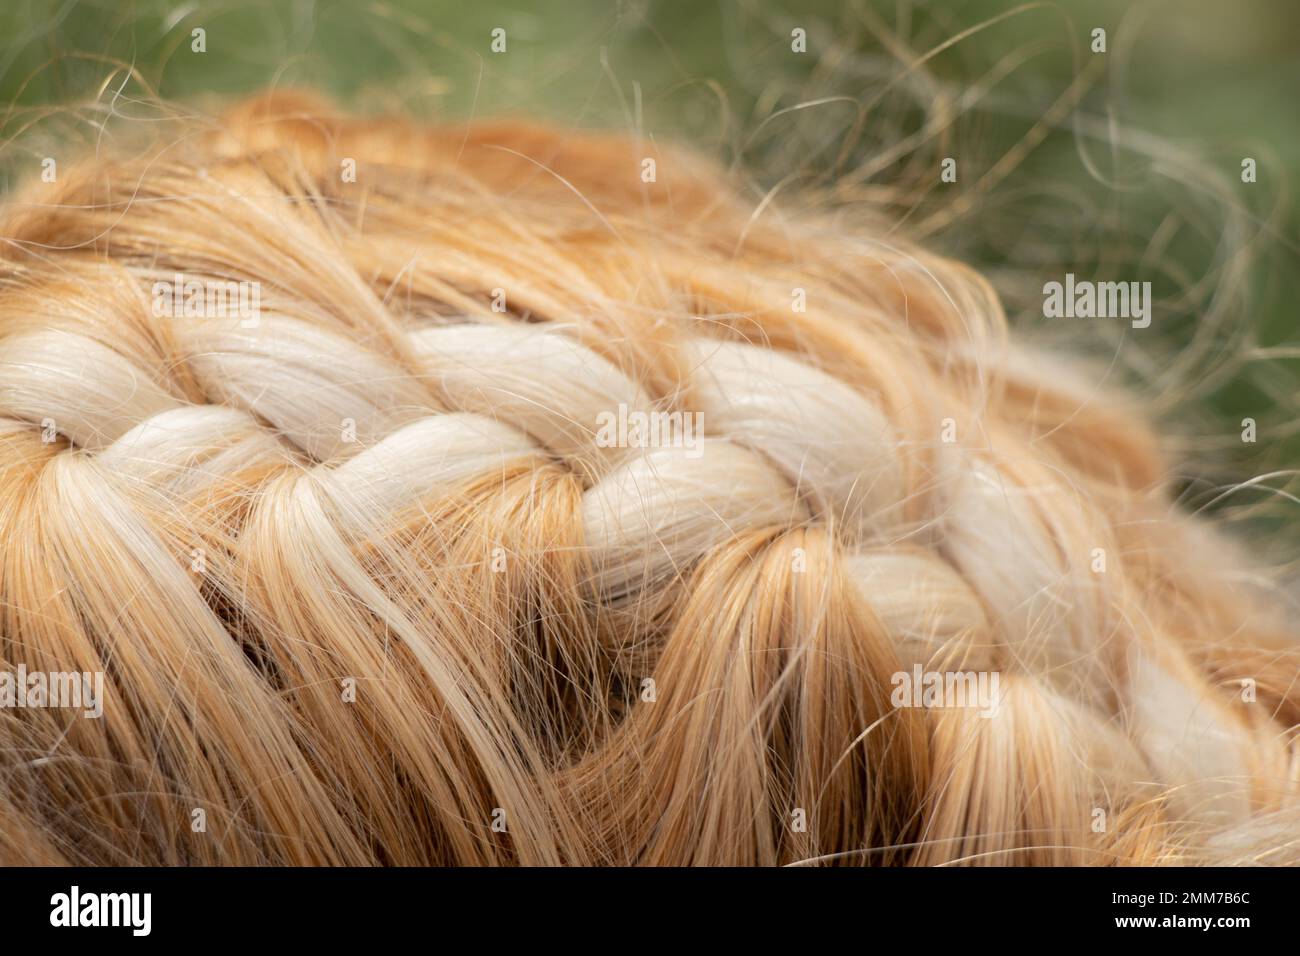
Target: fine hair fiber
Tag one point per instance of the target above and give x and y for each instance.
(389, 570)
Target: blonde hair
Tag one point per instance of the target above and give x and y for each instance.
(393, 570)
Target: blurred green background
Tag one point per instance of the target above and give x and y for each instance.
(1122, 165)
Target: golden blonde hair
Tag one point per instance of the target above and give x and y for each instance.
(370, 580)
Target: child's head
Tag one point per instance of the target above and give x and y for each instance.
(486, 494)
